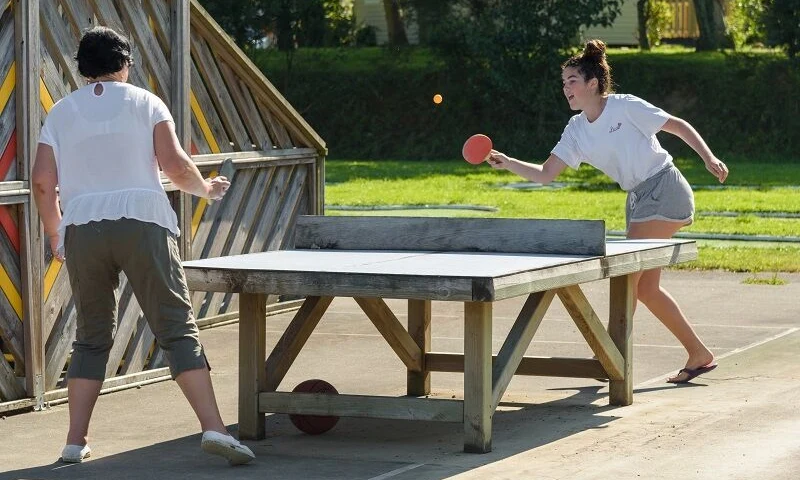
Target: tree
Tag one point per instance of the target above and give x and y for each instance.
(243, 20)
(711, 20)
(513, 49)
(782, 23)
(641, 17)
(396, 30)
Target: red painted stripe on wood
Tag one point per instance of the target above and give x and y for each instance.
(10, 226)
(9, 154)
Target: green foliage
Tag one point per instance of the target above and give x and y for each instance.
(782, 23)
(510, 48)
(659, 15)
(745, 19)
(292, 23)
(375, 103)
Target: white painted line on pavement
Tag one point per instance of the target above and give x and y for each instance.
(661, 378)
(397, 472)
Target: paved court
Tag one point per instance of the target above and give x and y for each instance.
(547, 428)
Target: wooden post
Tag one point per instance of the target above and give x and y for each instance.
(28, 61)
(620, 325)
(180, 63)
(477, 377)
(419, 327)
(252, 358)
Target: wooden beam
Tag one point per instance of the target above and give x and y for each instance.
(252, 371)
(392, 330)
(529, 366)
(500, 235)
(398, 408)
(27, 50)
(477, 377)
(180, 64)
(620, 326)
(519, 338)
(592, 329)
(419, 327)
(293, 339)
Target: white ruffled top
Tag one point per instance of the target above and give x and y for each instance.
(107, 168)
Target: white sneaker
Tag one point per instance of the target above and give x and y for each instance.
(75, 453)
(226, 446)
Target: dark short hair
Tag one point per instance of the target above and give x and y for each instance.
(102, 51)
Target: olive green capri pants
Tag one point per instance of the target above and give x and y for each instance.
(147, 253)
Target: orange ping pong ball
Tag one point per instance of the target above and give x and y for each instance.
(437, 99)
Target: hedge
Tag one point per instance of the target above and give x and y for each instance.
(377, 103)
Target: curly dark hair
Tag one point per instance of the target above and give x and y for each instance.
(102, 51)
(592, 63)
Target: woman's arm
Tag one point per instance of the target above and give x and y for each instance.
(44, 178)
(179, 167)
(544, 173)
(683, 130)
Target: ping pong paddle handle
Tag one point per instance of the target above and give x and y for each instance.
(226, 169)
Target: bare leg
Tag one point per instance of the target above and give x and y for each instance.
(82, 394)
(660, 302)
(199, 391)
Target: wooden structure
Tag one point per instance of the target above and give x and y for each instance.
(475, 261)
(223, 107)
(625, 28)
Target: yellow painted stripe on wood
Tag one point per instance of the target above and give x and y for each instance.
(11, 292)
(201, 119)
(212, 145)
(8, 86)
(50, 277)
(44, 96)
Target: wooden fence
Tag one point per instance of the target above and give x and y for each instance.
(684, 22)
(223, 107)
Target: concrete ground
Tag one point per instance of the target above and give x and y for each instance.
(739, 422)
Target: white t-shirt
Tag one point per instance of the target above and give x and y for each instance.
(106, 161)
(621, 142)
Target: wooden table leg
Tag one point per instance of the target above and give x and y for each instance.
(419, 327)
(477, 377)
(620, 324)
(252, 357)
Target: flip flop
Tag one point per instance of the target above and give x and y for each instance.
(693, 373)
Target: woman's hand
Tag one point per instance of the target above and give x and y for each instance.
(218, 187)
(499, 160)
(717, 168)
(54, 247)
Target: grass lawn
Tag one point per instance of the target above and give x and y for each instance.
(588, 194)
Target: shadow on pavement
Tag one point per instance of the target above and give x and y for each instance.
(355, 449)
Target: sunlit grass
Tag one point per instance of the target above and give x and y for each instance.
(589, 195)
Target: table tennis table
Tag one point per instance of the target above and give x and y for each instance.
(476, 261)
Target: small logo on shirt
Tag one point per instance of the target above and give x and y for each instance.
(613, 129)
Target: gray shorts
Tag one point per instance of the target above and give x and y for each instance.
(96, 253)
(664, 196)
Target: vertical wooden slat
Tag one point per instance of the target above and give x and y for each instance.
(620, 325)
(419, 327)
(180, 63)
(26, 25)
(477, 377)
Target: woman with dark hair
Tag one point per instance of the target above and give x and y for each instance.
(102, 146)
(617, 135)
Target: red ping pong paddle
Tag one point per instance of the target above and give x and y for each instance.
(477, 148)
